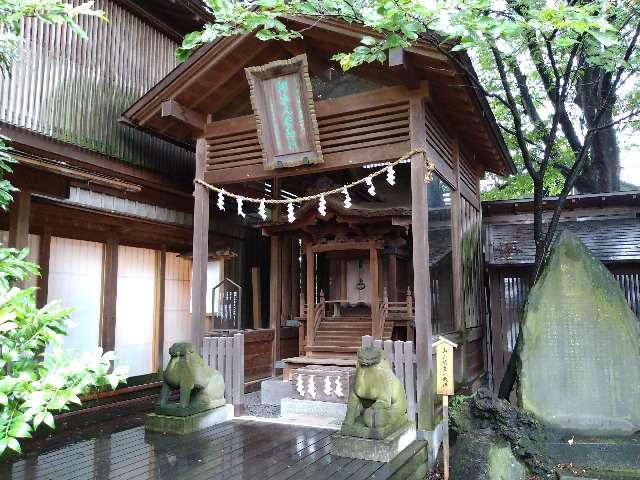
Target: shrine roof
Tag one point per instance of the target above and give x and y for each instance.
(212, 84)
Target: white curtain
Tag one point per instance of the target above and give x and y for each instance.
(75, 278)
(135, 309)
(177, 316)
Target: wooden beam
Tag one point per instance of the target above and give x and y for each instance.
(255, 297)
(196, 120)
(19, 219)
(421, 280)
(275, 300)
(392, 276)
(456, 255)
(109, 293)
(374, 289)
(43, 260)
(399, 62)
(160, 294)
(310, 293)
(200, 249)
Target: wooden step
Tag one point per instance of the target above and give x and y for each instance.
(326, 349)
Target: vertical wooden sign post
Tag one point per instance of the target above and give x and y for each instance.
(444, 373)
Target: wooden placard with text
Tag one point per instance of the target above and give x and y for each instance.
(282, 100)
(444, 366)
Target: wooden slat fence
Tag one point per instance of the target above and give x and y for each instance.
(508, 291)
(226, 354)
(402, 359)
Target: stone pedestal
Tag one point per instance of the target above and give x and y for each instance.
(383, 450)
(308, 407)
(273, 391)
(188, 424)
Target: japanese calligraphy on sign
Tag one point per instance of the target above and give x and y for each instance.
(282, 101)
(444, 366)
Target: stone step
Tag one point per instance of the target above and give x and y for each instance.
(331, 349)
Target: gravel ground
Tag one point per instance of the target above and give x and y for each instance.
(253, 407)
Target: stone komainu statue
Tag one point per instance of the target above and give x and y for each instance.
(201, 387)
(377, 404)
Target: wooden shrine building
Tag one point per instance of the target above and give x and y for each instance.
(280, 120)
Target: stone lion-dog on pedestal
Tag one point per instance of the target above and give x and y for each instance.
(201, 387)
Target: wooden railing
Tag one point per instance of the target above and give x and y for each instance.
(226, 354)
(385, 311)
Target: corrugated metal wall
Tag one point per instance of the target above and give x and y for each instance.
(74, 90)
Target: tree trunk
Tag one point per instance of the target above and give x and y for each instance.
(601, 172)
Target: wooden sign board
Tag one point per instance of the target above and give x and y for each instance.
(282, 101)
(444, 366)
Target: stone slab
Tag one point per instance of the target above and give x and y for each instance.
(597, 454)
(579, 357)
(376, 450)
(184, 425)
(311, 407)
(273, 391)
(481, 456)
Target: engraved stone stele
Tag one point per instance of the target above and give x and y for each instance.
(580, 352)
(376, 426)
(201, 400)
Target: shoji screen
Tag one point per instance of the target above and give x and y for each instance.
(135, 309)
(177, 316)
(75, 278)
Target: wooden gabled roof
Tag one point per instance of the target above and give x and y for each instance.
(212, 85)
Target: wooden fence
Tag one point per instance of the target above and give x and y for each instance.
(226, 354)
(402, 359)
(508, 291)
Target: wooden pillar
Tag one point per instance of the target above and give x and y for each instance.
(392, 276)
(19, 219)
(200, 249)
(160, 294)
(109, 294)
(456, 260)
(374, 283)
(310, 294)
(43, 259)
(255, 297)
(275, 297)
(421, 280)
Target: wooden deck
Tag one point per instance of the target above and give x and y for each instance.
(233, 450)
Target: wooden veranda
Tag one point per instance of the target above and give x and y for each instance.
(231, 451)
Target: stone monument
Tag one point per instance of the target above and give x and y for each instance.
(376, 426)
(580, 350)
(201, 402)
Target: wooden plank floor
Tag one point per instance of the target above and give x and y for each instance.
(230, 451)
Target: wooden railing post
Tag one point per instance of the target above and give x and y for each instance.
(409, 303)
(302, 305)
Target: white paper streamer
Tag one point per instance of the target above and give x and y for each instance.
(262, 210)
(322, 206)
(347, 198)
(290, 216)
(220, 201)
(371, 189)
(391, 175)
(240, 212)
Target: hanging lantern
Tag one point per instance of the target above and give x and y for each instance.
(240, 212)
(322, 206)
(262, 210)
(371, 189)
(391, 175)
(290, 216)
(221, 201)
(347, 198)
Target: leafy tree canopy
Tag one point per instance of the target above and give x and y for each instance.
(561, 75)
